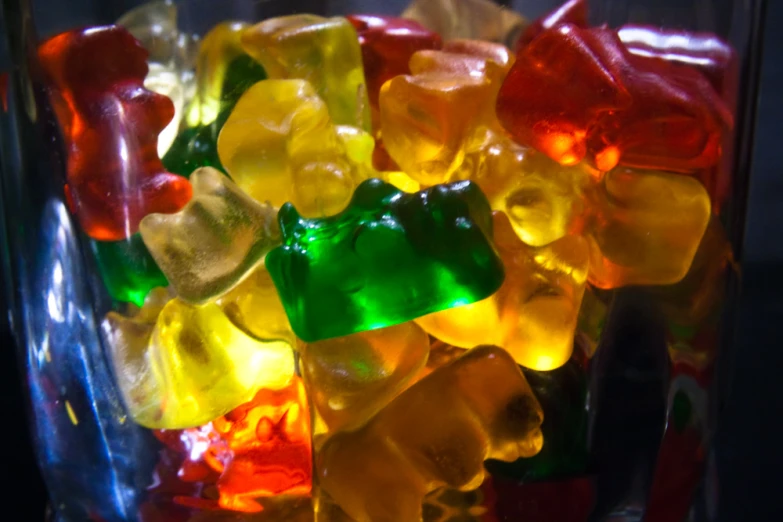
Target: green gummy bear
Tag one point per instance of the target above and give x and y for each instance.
(127, 269)
(389, 257)
(196, 147)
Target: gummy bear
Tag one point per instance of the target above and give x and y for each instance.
(179, 366)
(214, 241)
(563, 395)
(387, 46)
(571, 12)
(643, 227)
(428, 118)
(476, 19)
(436, 433)
(171, 60)
(279, 145)
(359, 147)
(431, 120)
(717, 61)
(441, 354)
(466, 57)
(541, 197)
(260, 449)
(579, 93)
(701, 293)
(255, 308)
(323, 51)
(110, 124)
(351, 378)
(127, 269)
(224, 73)
(388, 258)
(628, 216)
(707, 53)
(533, 315)
(217, 52)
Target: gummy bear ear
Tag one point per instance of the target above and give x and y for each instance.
(373, 193)
(290, 221)
(477, 205)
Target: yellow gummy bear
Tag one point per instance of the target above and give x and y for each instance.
(172, 55)
(323, 51)
(220, 46)
(279, 145)
(643, 227)
(541, 197)
(254, 306)
(214, 241)
(180, 366)
(534, 314)
(351, 378)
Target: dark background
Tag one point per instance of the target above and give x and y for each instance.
(748, 441)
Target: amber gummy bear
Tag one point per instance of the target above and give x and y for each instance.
(643, 227)
(427, 119)
(434, 118)
(436, 433)
(110, 124)
(533, 315)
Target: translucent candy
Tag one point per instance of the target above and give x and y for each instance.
(171, 60)
(254, 307)
(388, 258)
(351, 378)
(214, 241)
(179, 366)
(323, 51)
(534, 314)
(643, 227)
(479, 19)
(428, 118)
(436, 433)
(279, 145)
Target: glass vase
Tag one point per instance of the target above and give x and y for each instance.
(628, 418)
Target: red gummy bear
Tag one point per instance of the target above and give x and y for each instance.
(572, 12)
(576, 93)
(707, 53)
(260, 449)
(715, 59)
(110, 124)
(387, 46)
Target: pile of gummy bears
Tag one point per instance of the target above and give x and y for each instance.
(361, 231)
